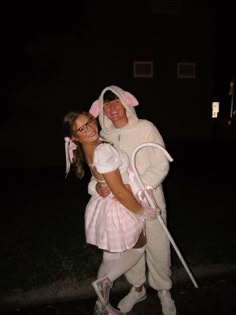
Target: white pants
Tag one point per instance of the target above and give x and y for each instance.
(157, 257)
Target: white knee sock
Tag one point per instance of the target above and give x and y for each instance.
(115, 265)
(107, 263)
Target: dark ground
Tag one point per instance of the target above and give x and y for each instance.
(215, 296)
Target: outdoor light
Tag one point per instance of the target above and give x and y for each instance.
(215, 109)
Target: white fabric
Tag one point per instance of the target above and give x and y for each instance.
(115, 265)
(106, 266)
(107, 159)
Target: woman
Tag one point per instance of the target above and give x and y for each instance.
(115, 223)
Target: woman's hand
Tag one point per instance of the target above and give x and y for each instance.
(148, 213)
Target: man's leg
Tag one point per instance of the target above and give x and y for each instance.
(159, 275)
(158, 256)
(137, 274)
(137, 277)
(159, 263)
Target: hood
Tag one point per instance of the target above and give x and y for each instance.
(127, 100)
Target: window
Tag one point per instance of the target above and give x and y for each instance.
(215, 109)
(143, 69)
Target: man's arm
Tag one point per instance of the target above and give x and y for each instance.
(98, 188)
(152, 164)
(92, 186)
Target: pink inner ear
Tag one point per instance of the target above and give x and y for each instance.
(130, 99)
(94, 109)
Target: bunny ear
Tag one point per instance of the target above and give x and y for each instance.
(94, 109)
(130, 99)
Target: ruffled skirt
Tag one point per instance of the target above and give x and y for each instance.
(110, 226)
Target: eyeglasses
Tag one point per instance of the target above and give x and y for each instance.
(83, 129)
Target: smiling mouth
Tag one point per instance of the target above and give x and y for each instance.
(92, 134)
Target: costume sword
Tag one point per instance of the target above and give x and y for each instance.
(153, 203)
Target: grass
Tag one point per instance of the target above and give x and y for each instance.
(42, 226)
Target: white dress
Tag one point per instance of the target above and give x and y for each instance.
(108, 224)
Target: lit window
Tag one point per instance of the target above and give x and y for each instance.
(215, 109)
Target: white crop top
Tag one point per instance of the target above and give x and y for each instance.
(107, 159)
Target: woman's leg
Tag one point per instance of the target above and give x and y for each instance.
(123, 262)
(113, 266)
(107, 263)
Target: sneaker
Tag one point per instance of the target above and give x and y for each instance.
(113, 311)
(167, 303)
(102, 287)
(100, 309)
(133, 297)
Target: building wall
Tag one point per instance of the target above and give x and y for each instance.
(68, 70)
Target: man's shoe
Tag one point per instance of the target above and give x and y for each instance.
(113, 311)
(167, 303)
(133, 297)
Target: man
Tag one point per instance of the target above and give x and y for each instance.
(120, 125)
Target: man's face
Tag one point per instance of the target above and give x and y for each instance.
(115, 111)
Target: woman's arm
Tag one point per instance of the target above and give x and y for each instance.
(121, 192)
(106, 167)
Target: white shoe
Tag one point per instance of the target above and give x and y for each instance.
(113, 311)
(133, 297)
(99, 308)
(167, 303)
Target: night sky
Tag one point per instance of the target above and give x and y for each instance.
(22, 65)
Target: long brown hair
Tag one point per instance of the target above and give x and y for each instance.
(79, 161)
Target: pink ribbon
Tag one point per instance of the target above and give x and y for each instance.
(141, 193)
(142, 197)
(70, 146)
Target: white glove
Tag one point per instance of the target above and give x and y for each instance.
(148, 213)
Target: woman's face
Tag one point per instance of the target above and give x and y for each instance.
(85, 129)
